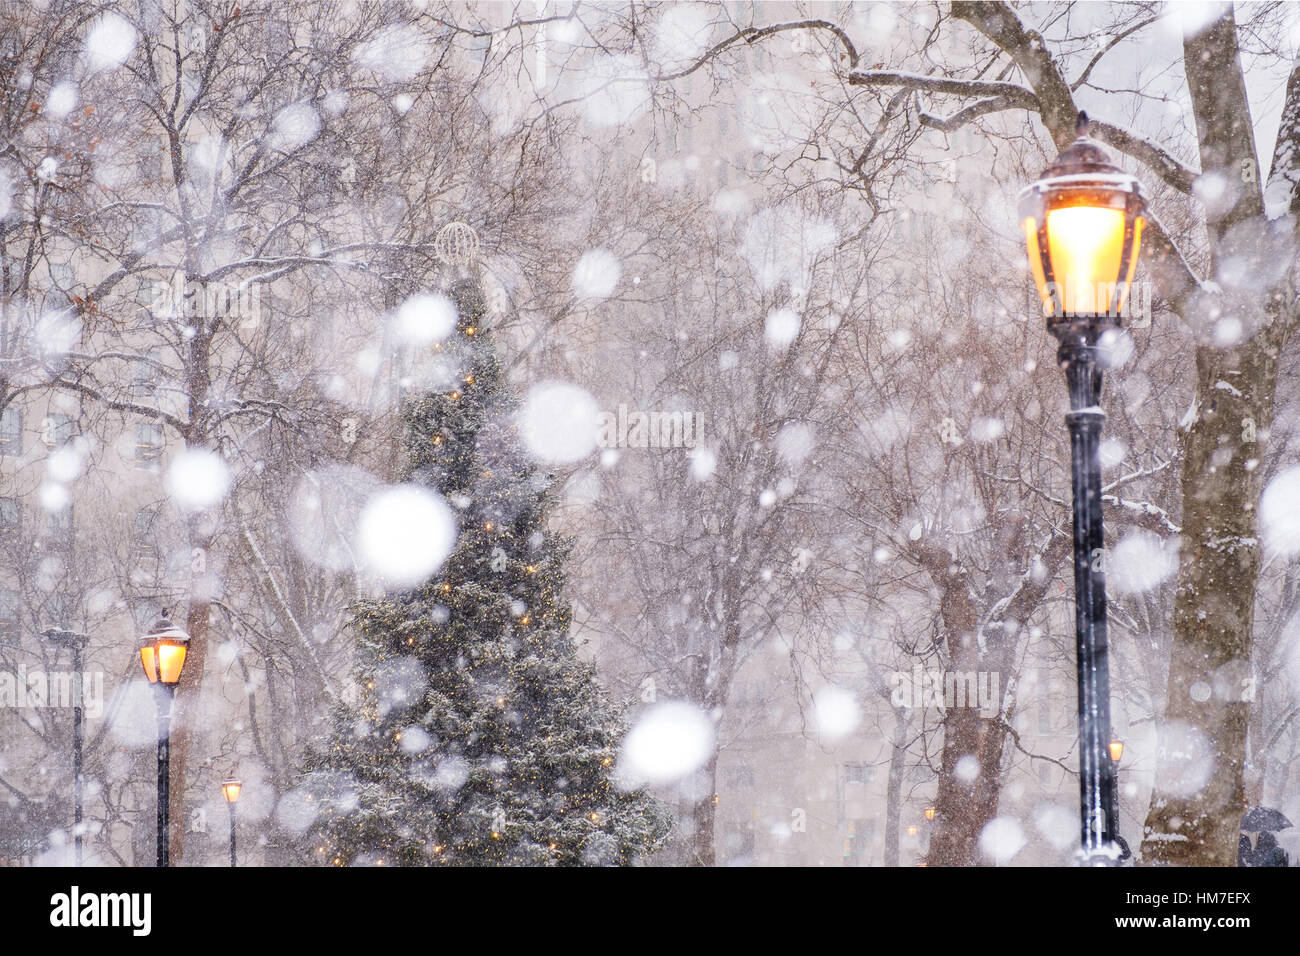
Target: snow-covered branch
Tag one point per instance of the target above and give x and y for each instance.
(1159, 160)
(1013, 94)
(1144, 514)
(131, 408)
(949, 124)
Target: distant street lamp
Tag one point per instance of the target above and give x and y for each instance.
(929, 813)
(76, 641)
(230, 790)
(162, 654)
(1083, 224)
(1116, 750)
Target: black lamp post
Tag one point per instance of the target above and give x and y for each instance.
(76, 641)
(162, 653)
(231, 790)
(1083, 223)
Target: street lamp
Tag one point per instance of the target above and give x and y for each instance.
(1083, 224)
(162, 654)
(230, 790)
(930, 812)
(1116, 750)
(76, 641)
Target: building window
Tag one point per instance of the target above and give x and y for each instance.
(57, 429)
(11, 514)
(154, 160)
(144, 380)
(11, 432)
(59, 527)
(59, 609)
(862, 835)
(858, 773)
(63, 276)
(740, 778)
(479, 46)
(745, 844)
(144, 534)
(1044, 716)
(148, 441)
(146, 293)
(8, 617)
(1045, 774)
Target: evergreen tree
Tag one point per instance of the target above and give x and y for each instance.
(478, 735)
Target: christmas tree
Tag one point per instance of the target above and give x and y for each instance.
(478, 736)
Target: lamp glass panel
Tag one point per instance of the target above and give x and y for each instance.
(150, 662)
(1086, 244)
(171, 658)
(1036, 263)
(1138, 223)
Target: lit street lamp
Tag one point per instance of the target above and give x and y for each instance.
(230, 790)
(1083, 223)
(162, 654)
(1116, 750)
(76, 641)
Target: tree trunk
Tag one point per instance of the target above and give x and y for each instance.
(185, 710)
(1199, 795)
(964, 807)
(894, 789)
(1196, 808)
(705, 812)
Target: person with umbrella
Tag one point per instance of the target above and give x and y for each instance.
(1258, 846)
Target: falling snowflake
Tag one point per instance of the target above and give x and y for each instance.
(559, 422)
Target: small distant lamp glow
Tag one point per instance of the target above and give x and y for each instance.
(1083, 225)
(230, 790)
(912, 831)
(1116, 749)
(162, 652)
(929, 813)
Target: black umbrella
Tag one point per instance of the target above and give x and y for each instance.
(1264, 818)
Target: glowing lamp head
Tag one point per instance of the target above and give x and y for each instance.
(1116, 750)
(929, 813)
(230, 790)
(1083, 226)
(162, 652)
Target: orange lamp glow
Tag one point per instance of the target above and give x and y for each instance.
(1116, 750)
(929, 813)
(1083, 227)
(230, 790)
(162, 652)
